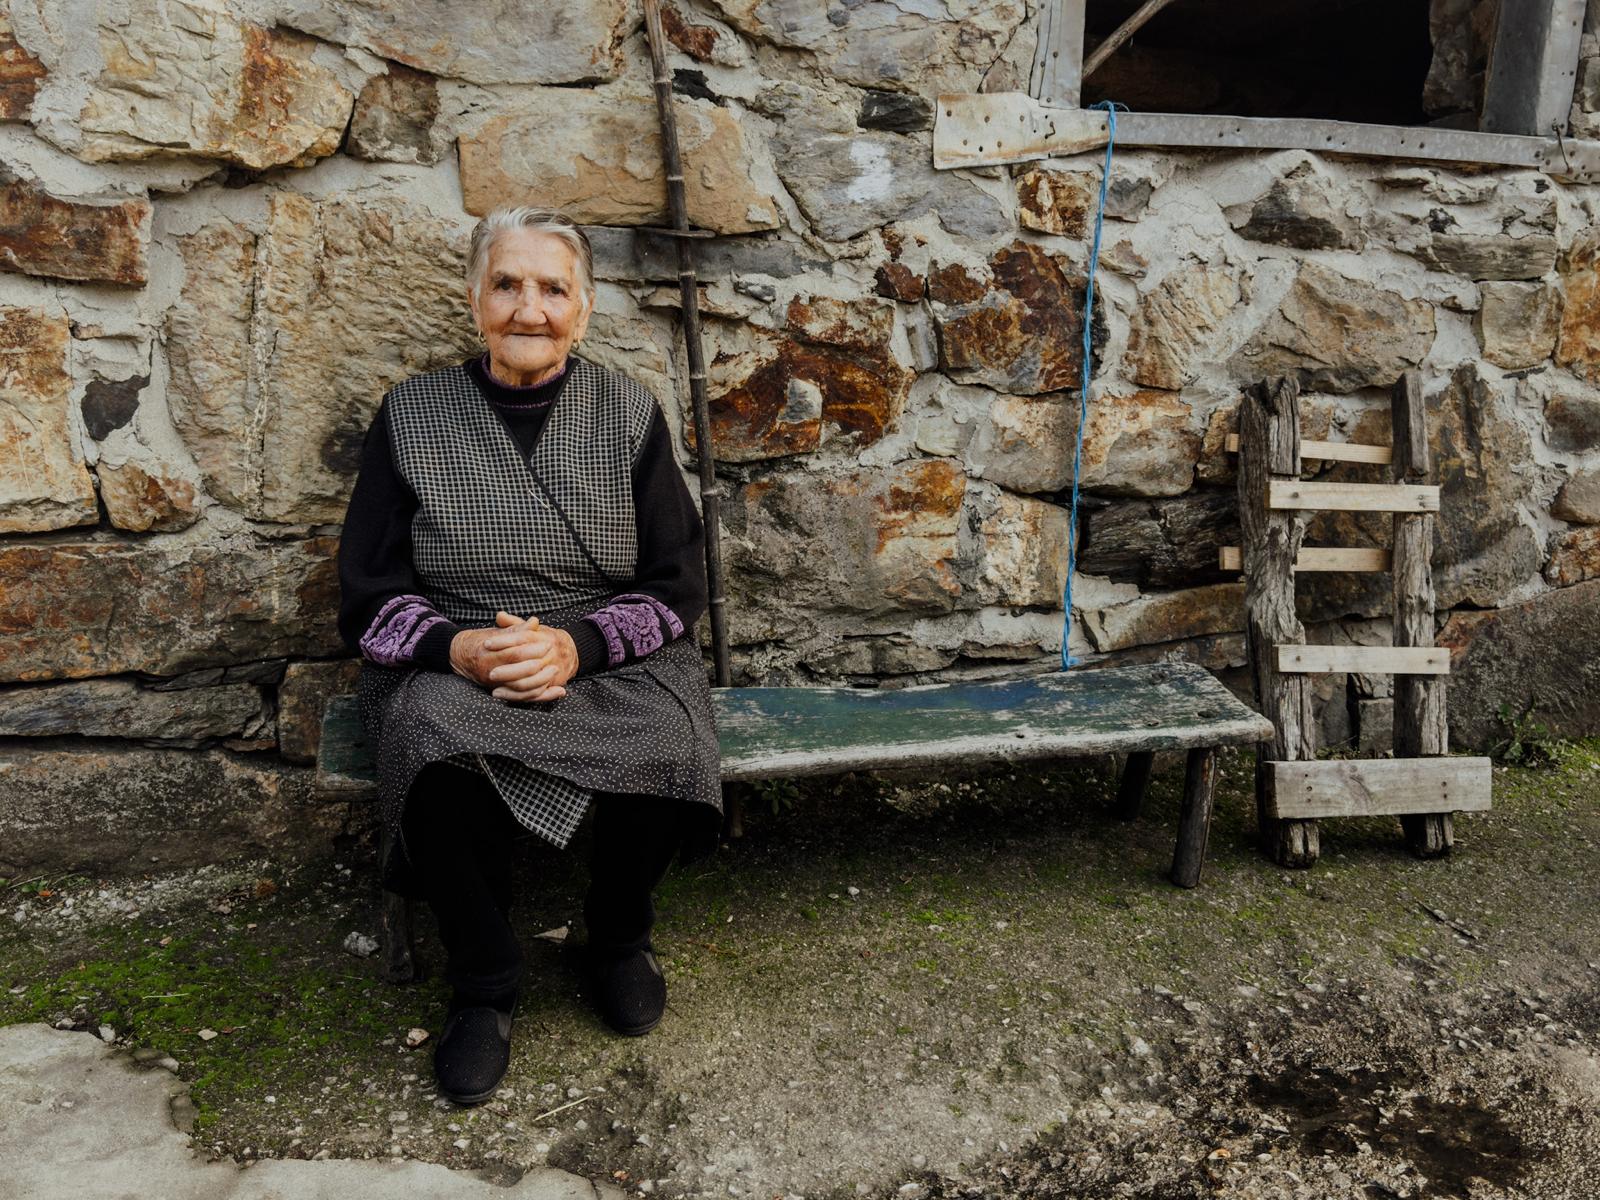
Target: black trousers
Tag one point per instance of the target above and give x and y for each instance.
(459, 837)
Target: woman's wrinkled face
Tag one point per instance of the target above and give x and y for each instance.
(530, 306)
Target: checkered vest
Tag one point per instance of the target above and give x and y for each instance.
(494, 531)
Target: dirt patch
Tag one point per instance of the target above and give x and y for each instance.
(1451, 1142)
(975, 986)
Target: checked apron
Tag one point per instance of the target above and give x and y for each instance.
(551, 536)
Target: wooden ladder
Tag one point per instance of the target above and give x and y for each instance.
(1420, 785)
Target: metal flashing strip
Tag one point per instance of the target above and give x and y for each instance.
(1009, 127)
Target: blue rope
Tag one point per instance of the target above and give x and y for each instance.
(1110, 107)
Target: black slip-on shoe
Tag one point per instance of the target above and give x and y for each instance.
(629, 991)
(473, 1053)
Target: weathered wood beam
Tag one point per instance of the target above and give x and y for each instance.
(1420, 725)
(1379, 787)
(1269, 453)
(1364, 660)
(1353, 497)
(1317, 558)
(1141, 16)
(1533, 64)
(1194, 821)
(1332, 451)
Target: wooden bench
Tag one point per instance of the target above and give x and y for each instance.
(769, 733)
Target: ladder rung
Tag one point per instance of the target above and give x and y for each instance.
(1353, 497)
(1333, 451)
(1370, 787)
(1363, 660)
(1317, 558)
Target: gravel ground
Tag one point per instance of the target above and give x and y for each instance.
(980, 986)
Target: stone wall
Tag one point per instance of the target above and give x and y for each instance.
(227, 228)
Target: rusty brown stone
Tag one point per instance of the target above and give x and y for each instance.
(163, 605)
(1575, 557)
(1056, 201)
(953, 284)
(773, 412)
(697, 41)
(139, 501)
(63, 239)
(1578, 348)
(773, 395)
(1021, 335)
(189, 79)
(20, 73)
(896, 281)
(44, 484)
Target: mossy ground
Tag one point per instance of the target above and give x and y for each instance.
(892, 981)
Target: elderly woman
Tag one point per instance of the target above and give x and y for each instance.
(521, 572)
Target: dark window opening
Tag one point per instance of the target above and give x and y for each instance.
(1371, 61)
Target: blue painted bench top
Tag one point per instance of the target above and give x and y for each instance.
(768, 733)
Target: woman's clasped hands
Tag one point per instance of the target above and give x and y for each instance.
(519, 660)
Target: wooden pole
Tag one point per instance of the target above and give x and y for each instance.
(689, 288)
(1269, 449)
(1121, 34)
(1420, 726)
(1194, 821)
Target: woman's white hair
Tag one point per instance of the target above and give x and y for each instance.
(538, 220)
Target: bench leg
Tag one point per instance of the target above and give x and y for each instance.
(733, 810)
(1135, 778)
(395, 944)
(1194, 822)
(397, 947)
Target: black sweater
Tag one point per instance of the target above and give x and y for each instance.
(376, 564)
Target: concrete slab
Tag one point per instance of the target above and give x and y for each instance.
(79, 1119)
